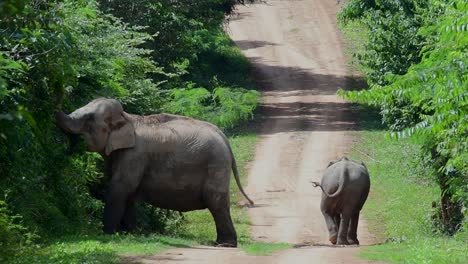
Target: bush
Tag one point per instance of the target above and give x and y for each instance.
(434, 92)
(224, 107)
(393, 44)
(14, 237)
(53, 54)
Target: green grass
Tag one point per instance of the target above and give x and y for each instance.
(264, 249)
(294, 30)
(399, 206)
(356, 36)
(98, 248)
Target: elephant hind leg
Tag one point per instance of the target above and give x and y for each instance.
(218, 204)
(331, 225)
(352, 231)
(216, 199)
(337, 219)
(343, 230)
(330, 220)
(226, 234)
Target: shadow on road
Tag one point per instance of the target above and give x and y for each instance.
(295, 113)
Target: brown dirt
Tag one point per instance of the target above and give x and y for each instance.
(296, 50)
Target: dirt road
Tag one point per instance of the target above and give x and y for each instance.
(297, 54)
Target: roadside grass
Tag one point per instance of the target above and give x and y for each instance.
(355, 35)
(98, 248)
(294, 30)
(399, 206)
(264, 249)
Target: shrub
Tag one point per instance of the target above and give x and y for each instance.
(53, 54)
(14, 237)
(224, 107)
(436, 90)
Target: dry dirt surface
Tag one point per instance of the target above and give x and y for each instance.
(296, 50)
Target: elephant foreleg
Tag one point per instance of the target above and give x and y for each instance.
(226, 234)
(115, 207)
(128, 222)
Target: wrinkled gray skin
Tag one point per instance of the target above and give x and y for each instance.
(345, 186)
(169, 161)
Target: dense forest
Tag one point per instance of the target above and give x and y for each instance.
(154, 56)
(415, 59)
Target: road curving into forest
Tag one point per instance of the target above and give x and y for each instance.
(297, 54)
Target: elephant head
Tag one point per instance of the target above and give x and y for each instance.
(103, 123)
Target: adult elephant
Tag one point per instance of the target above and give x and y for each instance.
(169, 161)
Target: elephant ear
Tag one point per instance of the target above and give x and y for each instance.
(330, 163)
(122, 135)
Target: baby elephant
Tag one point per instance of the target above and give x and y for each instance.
(345, 186)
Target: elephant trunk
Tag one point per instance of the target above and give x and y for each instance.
(67, 123)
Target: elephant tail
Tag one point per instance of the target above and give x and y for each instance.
(236, 176)
(342, 182)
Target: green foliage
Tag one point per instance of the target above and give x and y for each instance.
(9, 7)
(52, 54)
(224, 107)
(181, 30)
(393, 43)
(264, 249)
(188, 39)
(193, 42)
(13, 236)
(156, 220)
(431, 101)
(97, 249)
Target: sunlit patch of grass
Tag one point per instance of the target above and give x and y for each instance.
(98, 248)
(356, 36)
(294, 30)
(264, 249)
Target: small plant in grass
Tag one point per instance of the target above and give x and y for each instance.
(264, 249)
